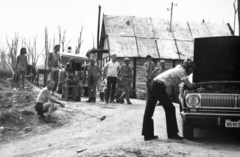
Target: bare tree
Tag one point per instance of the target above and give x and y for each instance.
(53, 40)
(62, 38)
(93, 41)
(3, 57)
(80, 41)
(46, 48)
(13, 47)
(28, 47)
(32, 50)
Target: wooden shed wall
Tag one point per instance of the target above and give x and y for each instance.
(140, 81)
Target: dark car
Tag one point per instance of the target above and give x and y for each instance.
(216, 101)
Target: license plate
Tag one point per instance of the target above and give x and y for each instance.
(232, 124)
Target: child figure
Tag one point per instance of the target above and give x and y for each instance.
(103, 92)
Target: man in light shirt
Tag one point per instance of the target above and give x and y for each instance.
(45, 103)
(157, 92)
(111, 73)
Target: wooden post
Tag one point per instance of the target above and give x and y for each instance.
(45, 72)
(46, 48)
(134, 72)
(99, 15)
(238, 18)
(171, 17)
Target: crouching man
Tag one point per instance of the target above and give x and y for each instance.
(45, 103)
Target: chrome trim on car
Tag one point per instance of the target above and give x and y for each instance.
(210, 114)
(217, 100)
(213, 100)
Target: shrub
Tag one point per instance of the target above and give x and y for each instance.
(5, 73)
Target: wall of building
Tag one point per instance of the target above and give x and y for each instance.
(140, 81)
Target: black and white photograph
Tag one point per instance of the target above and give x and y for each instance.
(119, 78)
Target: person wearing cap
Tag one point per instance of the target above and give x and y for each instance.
(158, 70)
(149, 67)
(157, 92)
(125, 75)
(69, 49)
(110, 72)
(181, 85)
(94, 73)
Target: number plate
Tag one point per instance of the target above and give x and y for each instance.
(232, 124)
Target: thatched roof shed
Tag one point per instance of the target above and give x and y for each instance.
(136, 37)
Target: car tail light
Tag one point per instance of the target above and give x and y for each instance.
(193, 100)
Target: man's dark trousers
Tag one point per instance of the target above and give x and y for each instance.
(157, 92)
(111, 86)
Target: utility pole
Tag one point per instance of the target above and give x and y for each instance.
(235, 12)
(171, 14)
(98, 28)
(238, 19)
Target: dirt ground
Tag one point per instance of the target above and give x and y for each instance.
(78, 134)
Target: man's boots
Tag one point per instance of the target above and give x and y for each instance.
(129, 102)
(89, 100)
(77, 98)
(48, 119)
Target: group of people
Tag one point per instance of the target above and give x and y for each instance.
(111, 73)
(158, 79)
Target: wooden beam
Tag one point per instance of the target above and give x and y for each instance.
(155, 39)
(100, 51)
(134, 72)
(99, 16)
(238, 18)
(135, 35)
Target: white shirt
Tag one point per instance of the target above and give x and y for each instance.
(112, 68)
(173, 76)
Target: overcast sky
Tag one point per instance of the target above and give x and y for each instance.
(29, 17)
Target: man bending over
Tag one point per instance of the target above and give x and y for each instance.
(45, 103)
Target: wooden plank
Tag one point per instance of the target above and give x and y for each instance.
(117, 26)
(147, 47)
(142, 27)
(123, 46)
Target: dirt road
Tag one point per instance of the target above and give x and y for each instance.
(118, 135)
